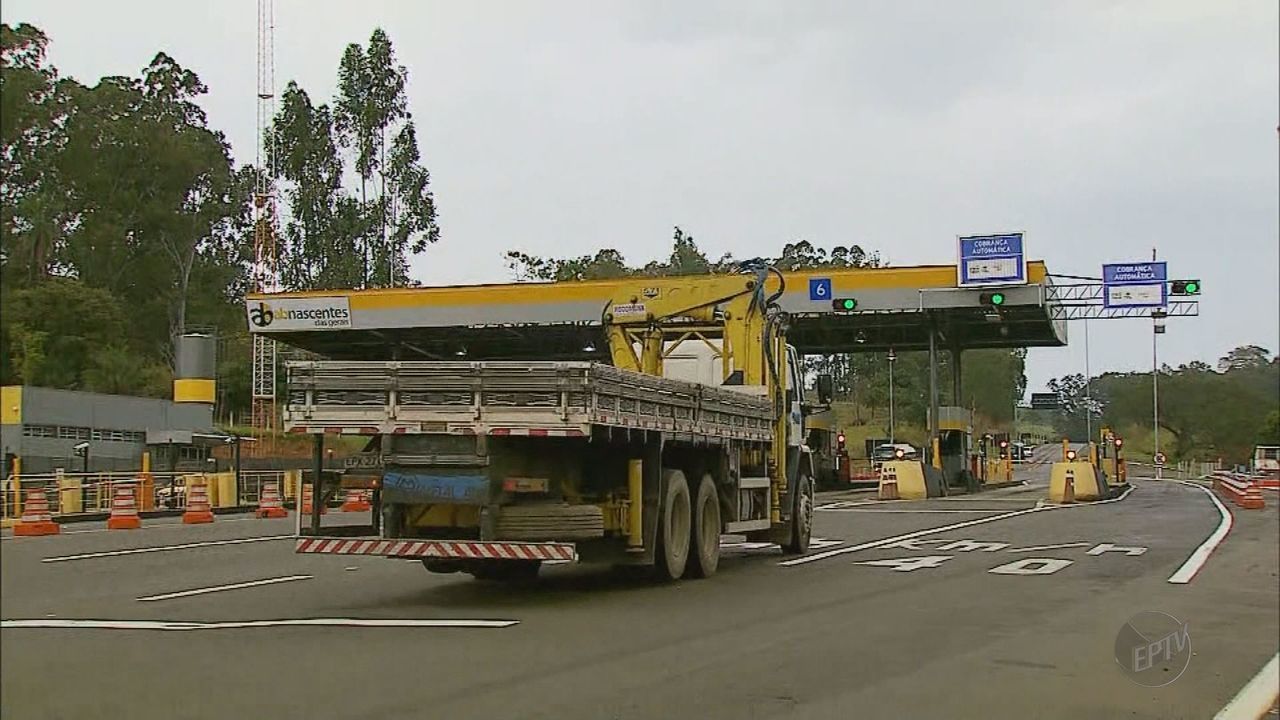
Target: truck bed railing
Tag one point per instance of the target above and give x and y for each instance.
(497, 398)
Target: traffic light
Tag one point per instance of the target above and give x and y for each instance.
(994, 299)
(840, 442)
(844, 304)
(1185, 287)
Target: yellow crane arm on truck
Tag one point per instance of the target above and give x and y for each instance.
(739, 310)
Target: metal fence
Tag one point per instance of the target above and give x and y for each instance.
(1185, 470)
(71, 494)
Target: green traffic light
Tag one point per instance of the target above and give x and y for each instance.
(849, 303)
(1193, 287)
(997, 298)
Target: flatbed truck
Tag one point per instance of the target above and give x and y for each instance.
(493, 467)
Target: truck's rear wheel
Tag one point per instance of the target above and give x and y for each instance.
(801, 517)
(672, 551)
(438, 565)
(704, 538)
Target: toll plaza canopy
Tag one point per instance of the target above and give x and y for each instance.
(893, 308)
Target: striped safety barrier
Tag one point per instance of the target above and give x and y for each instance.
(437, 549)
(1241, 489)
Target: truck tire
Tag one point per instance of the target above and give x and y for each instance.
(442, 566)
(801, 517)
(704, 536)
(672, 550)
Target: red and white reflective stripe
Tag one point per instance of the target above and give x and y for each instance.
(438, 548)
(538, 432)
(344, 430)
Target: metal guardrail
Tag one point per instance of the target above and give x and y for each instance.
(84, 494)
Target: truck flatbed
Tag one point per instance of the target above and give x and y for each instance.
(551, 398)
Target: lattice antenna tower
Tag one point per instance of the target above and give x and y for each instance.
(266, 271)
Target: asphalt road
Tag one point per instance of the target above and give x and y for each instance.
(858, 627)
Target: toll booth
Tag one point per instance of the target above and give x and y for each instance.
(955, 443)
(1111, 458)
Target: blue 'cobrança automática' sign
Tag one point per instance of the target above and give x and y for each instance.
(992, 260)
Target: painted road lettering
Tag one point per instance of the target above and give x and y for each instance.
(1024, 566)
(1108, 547)
(908, 564)
(1031, 566)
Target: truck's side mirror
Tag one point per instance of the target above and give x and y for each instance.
(824, 386)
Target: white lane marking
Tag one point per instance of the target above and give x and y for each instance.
(1200, 555)
(907, 536)
(165, 548)
(845, 504)
(292, 622)
(972, 545)
(1059, 546)
(1256, 697)
(922, 510)
(223, 588)
(156, 526)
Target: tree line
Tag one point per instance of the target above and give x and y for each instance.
(125, 221)
(1206, 412)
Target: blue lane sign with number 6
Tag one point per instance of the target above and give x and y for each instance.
(819, 288)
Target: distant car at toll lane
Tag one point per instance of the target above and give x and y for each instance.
(894, 451)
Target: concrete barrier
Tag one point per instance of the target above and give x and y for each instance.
(1240, 489)
(1084, 478)
(909, 477)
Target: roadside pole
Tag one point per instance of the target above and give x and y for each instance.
(892, 357)
(1088, 386)
(1157, 322)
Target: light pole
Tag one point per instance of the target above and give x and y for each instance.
(1088, 387)
(1157, 329)
(892, 439)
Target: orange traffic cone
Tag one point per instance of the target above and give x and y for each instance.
(888, 485)
(356, 501)
(1069, 490)
(198, 507)
(270, 505)
(35, 516)
(306, 501)
(124, 510)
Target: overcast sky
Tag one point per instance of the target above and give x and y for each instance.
(1100, 129)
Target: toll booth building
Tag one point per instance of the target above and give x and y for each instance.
(50, 429)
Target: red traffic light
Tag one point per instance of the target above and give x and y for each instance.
(1004, 444)
(840, 438)
(1119, 442)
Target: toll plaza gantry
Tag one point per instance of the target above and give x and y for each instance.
(830, 310)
